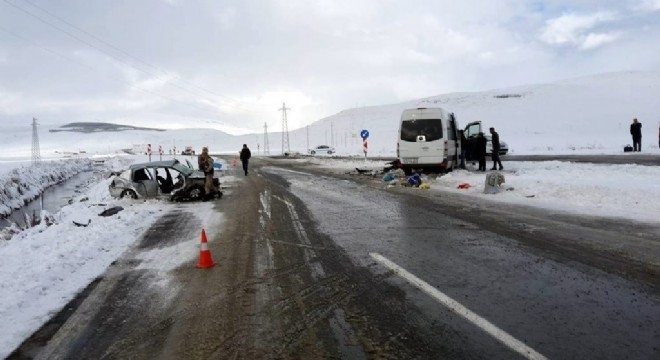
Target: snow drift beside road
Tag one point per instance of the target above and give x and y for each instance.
(23, 184)
(624, 191)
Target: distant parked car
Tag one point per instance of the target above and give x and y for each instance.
(188, 151)
(504, 148)
(168, 179)
(322, 149)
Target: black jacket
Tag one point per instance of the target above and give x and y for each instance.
(480, 148)
(636, 130)
(245, 154)
(495, 140)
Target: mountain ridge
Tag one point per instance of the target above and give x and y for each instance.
(92, 127)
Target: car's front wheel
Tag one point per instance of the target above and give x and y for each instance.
(128, 193)
(312, 152)
(329, 152)
(196, 193)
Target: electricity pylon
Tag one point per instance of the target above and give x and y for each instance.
(285, 130)
(36, 153)
(266, 146)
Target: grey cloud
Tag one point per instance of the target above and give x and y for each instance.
(233, 63)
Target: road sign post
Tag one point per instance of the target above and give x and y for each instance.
(149, 151)
(160, 152)
(364, 134)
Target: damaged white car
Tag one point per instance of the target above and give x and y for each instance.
(168, 179)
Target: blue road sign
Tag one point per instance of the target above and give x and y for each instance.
(364, 134)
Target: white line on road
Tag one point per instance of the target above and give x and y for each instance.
(499, 334)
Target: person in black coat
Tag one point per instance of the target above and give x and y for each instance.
(245, 156)
(464, 149)
(496, 149)
(480, 151)
(636, 132)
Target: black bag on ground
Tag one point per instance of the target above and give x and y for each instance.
(627, 148)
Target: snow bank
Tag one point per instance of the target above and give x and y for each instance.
(20, 185)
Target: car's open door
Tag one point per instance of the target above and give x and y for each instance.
(144, 181)
(471, 131)
(452, 143)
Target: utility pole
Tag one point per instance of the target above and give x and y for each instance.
(36, 152)
(285, 130)
(266, 146)
(332, 134)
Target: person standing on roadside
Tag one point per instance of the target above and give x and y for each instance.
(205, 163)
(496, 149)
(480, 153)
(464, 145)
(636, 132)
(245, 157)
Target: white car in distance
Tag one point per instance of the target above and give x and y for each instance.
(322, 149)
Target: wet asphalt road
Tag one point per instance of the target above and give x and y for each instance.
(561, 308)
(298, 280)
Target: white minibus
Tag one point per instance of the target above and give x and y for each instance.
(429, 140)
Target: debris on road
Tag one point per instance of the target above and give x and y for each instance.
(81, 224)
(414, 180)
(111, 211)
(493, 184)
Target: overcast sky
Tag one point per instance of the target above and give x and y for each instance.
(230, 64)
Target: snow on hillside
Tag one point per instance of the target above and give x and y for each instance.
(583, 115)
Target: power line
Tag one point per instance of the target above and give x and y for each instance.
(103, 51)
(94, 69)
(143, 62)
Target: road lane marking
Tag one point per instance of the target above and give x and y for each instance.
(499, 334)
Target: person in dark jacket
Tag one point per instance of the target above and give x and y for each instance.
(636, 132)
(496, 149)
(480, 151)
(245, 156)
(464, 149)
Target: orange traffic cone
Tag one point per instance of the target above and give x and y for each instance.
(205, 259)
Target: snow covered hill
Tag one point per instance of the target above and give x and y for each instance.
(584, 115)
